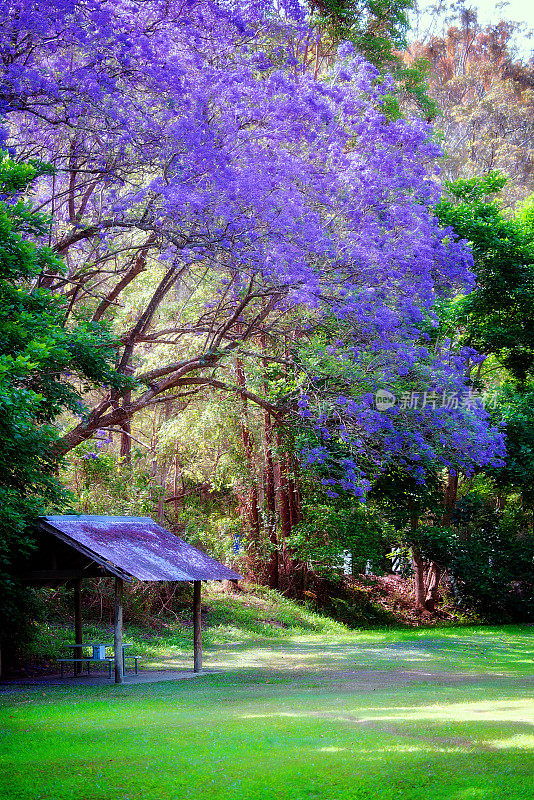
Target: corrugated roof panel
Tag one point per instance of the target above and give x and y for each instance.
(140, 547)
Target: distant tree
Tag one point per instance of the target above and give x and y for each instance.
(496, 317)
(485, 101)
(489, 551)
(516, 410)
(377, 28)
(491, 330)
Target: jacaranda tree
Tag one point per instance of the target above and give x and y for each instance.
(198, 159)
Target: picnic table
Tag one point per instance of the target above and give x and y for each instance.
(98, 655)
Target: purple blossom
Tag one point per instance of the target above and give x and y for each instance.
(346, 50)
(305, 184)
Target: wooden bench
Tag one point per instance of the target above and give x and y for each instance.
(136, 660)
(87, 660)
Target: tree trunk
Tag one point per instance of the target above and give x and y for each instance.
(269, 481)
(419, 580)
(126, 432)
(432, 592)
(284, 505)
(254, 514)
(117, 630)
(270, 503)
(435, 571)
(78, 633)
(294, 501)
(197, 626)
(250, 492)
(451, 497)
(175, 490)
(125, 423)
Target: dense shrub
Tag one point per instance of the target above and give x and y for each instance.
(491, 561)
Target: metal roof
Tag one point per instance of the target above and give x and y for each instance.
(135, 547)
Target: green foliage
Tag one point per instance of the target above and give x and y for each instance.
(37, 352)
(491, 558)
(160, 627)
(404, 500)
(410, 94)
(205, 438)
(412, 81)
(376, 27)
(496, 318)
(488, 553)
(515, 410)
(211, 532)
(330, 529)
(104, 483)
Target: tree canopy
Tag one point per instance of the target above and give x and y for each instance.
(194, 155)
(233, 206)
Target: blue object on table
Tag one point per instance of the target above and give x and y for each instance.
(99, 651)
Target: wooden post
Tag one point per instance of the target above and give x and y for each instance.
(117, 630)
(197, 627)
(78, 652)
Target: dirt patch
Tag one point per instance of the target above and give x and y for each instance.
(432, 740)
(370, 680)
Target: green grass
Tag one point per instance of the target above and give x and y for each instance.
(258, 614)
(260, 627)
(307, 712)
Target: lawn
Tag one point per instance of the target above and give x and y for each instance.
(445, 714)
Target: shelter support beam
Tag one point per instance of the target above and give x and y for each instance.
(78, 653)
(197, 627)
(117, 630)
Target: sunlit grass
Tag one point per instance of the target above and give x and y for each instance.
(182, 741)
(260, 628)
(312, 717)
(297, 707)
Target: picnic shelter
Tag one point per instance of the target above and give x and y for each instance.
(74, 547)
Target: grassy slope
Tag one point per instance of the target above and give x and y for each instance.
(257, 614)
(292, 717)
(259, 628)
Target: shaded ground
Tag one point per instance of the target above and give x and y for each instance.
(394, 595)
(97, 679)
(343, 681)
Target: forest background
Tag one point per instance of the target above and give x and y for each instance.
(267, 278)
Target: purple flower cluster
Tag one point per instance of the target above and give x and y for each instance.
(190, 126)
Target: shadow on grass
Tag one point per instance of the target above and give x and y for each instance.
(472, 651)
